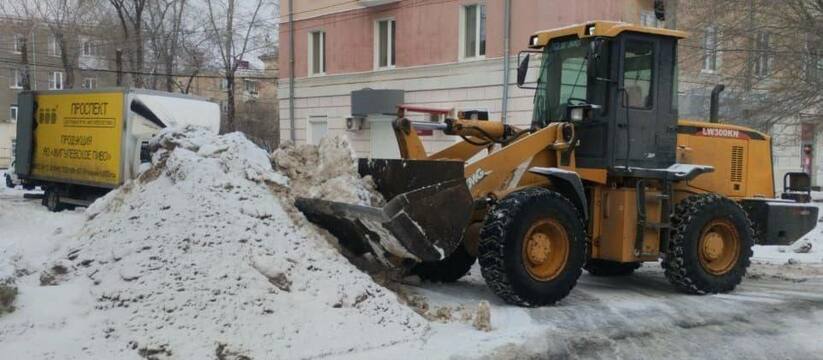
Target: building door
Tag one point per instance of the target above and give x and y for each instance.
(318, 127)
(383, 142)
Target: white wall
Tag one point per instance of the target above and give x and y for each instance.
(468, 85)
(8, 131)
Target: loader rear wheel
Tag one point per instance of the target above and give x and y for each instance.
(532, 247)
(450, 269)
(598, 267)
(710, 245)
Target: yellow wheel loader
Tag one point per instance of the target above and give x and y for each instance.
(604, 179)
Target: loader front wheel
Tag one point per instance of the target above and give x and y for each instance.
(710, 245)
(450, 269)
(532, 247)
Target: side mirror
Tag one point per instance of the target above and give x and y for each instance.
(522, 69)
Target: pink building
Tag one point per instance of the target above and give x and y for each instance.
(439, 53)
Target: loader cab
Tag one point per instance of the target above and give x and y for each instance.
(617, 83)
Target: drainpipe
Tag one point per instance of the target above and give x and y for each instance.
(34, 57)
(292, 131)
(507, 28)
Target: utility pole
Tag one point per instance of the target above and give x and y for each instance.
(292, 130)
(507, 28)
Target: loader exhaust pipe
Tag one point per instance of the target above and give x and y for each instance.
(714, 106)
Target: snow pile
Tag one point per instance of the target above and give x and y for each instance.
(202, 256)
(326, 171)
(329, 172)
(23, 247)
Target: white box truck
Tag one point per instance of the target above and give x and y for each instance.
(79, 144)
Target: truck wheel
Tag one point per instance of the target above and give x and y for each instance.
(532, 247)
(450, 269)
(710, 245)
(52, 200)
(598, 267)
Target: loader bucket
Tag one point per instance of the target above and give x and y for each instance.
(428, 205)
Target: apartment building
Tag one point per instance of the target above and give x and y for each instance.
(744, 46)
(45, 68)
(442, 54)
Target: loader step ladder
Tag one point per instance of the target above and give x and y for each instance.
(642, 222)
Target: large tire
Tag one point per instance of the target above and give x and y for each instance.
(710, 245)
(51, 199)
(598, 267)
(532, 247)
(450, 269)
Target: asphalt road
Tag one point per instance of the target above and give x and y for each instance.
(777, 313)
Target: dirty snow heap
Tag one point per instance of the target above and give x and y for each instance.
(203, 254)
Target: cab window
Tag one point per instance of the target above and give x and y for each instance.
(638, 73)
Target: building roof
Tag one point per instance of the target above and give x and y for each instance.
(598, 29)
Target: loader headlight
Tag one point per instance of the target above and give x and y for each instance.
(581, 112)
(576, 114)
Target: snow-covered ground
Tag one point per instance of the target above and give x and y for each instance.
(243, 276)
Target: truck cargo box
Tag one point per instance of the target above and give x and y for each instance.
(93, 138)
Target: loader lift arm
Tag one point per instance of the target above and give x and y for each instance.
(504, 169)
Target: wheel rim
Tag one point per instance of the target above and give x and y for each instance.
(719, 247)
(545, 249)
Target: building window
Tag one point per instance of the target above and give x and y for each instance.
(13, 113)
(250, 86)
(19, 43)
(762, 54)
(54, 46)
(89, 48)
(318, 127)
(16, 79)
(473, 31)
(317, 53)
(55, 80)
(710, 53)
(384, 43)
(89, 83)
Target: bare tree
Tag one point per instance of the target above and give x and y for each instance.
(769, 53)
(233, 41)
(165, 24)
(130, 13)
(258, 123)
(67, 19)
